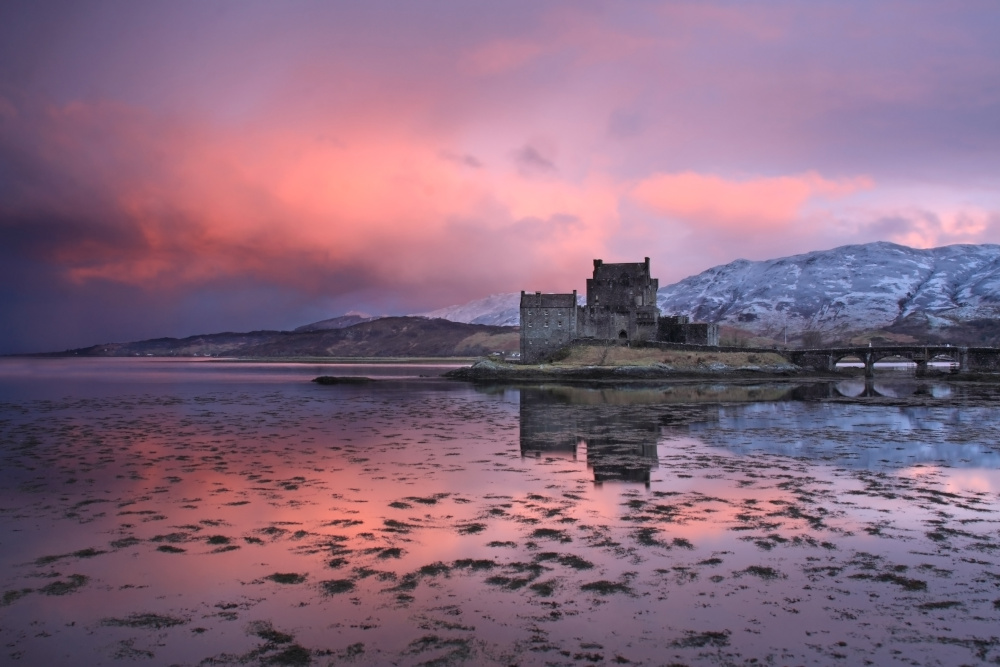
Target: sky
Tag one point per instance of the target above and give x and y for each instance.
(170, 168)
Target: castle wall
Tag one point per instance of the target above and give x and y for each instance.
(548, 323)
(679, 329)
(701, 333)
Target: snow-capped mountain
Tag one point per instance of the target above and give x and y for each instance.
(853, 287)
(856, 287)
(497, 309)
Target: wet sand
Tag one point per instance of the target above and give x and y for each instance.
(415, 521)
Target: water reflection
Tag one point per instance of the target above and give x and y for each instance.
(208, 514)
(897, 388)
(49, 378)
(616, 431)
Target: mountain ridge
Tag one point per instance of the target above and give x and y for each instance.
(865, 286)
(928, 293)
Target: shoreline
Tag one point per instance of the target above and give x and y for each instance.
(487, 371)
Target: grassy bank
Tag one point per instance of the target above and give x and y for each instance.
(614, 356)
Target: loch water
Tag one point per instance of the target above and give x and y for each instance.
(219, 512)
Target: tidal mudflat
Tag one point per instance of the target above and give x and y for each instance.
(213, 514)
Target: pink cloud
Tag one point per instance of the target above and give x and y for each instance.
(739, 205)
(204, 203)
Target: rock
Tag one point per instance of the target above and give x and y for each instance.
(333, 379)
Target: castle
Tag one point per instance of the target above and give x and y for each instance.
(621, 307)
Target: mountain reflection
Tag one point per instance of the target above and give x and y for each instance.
(858, 435)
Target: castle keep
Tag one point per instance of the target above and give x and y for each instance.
(620, 307)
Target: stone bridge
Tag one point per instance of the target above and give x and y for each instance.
(969, 359)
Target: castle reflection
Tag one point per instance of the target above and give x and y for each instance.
(577, 423)
(617, 430)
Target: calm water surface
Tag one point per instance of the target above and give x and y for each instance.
(179, 512)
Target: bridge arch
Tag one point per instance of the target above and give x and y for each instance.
(959, 359)
(850, 359)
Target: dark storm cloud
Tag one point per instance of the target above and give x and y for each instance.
(529, 160)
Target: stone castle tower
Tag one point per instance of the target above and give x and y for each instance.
(621, 303)
(621, 307)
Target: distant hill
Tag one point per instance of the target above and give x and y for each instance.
(382, 337)
(392, 337)
(948, 294)
(219, 344)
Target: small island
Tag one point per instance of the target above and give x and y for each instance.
(597, 362)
